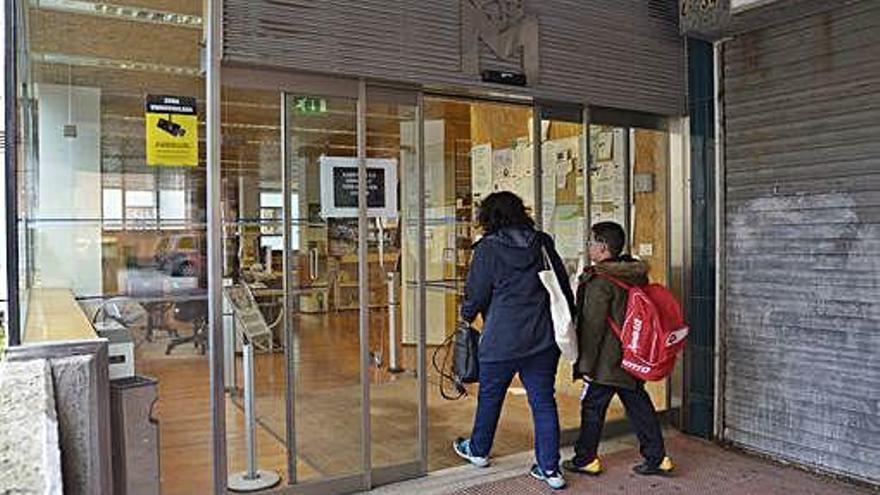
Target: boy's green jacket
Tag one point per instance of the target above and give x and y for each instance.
(597, 298)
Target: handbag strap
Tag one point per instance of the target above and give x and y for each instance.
(441, 368)
(547, 264)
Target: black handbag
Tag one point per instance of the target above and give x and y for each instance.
(465, 362)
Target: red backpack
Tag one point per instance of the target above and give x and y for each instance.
(653, 331)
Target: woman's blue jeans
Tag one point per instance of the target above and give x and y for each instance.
(538, 375)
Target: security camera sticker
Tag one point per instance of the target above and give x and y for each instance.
(172, 131)
(170, 127)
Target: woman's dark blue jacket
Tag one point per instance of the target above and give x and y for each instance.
(504, 287)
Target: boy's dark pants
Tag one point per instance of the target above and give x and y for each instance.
(640, 412)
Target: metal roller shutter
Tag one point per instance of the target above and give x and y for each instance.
(586, 54)
(802, 233)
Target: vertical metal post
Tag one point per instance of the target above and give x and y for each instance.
(249, 418)
(11, 160)
(229, 378)
(214, 40)
(363, 280)
(393, 307)
(421, 291)
(538, 167)
(629, 228)
(287, 174)
(252, 479)
(677, 233)
(586, 162)
(720, 244)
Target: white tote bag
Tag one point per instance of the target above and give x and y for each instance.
(563, 326)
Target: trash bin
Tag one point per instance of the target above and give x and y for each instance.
(135, 436)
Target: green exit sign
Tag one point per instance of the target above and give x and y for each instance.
(309, 105)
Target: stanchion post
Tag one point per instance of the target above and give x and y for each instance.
(393, 305)
(252, 479)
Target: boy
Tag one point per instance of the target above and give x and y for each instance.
(600, 354)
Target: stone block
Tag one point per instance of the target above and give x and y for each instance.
(30, 457)
(73, 393)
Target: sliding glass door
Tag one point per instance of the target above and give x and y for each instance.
(349, 414)
(350, 212)
(321, 144)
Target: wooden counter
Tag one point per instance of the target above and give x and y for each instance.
(54, 315)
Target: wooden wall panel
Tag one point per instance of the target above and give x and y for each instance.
(651, 209)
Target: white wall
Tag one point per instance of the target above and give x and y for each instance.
(68, 229)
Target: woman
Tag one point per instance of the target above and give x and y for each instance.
(517, 337)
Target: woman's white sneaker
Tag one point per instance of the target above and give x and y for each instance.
(462, 447)
(553, 478)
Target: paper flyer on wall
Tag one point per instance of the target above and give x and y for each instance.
(565, 160)
(568, 229)
(481, 166)
(502, 170)
(548, 183)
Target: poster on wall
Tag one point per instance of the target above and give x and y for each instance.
(548, 184)
(481, 178)
(568, 231)
(339, 187)
(172, 131)
(608, 178)
(503, 174)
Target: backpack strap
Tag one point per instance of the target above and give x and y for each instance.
(616, 281)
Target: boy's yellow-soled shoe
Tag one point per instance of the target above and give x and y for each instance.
(593, 468)
(665, 467)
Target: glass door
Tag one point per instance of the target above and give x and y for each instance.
(472, 148)
(395, 345)
(356, 349)
(325, 396)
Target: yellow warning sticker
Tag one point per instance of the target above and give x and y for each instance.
(172, 131)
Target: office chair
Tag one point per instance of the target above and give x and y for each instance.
(194, 312)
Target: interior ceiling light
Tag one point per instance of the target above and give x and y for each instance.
(109, 63)
(122, 12)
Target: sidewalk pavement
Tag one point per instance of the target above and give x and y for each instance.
(701, 467)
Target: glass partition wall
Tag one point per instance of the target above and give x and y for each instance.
(108, 230)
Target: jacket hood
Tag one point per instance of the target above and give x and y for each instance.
(520, 245)
(626, 269)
